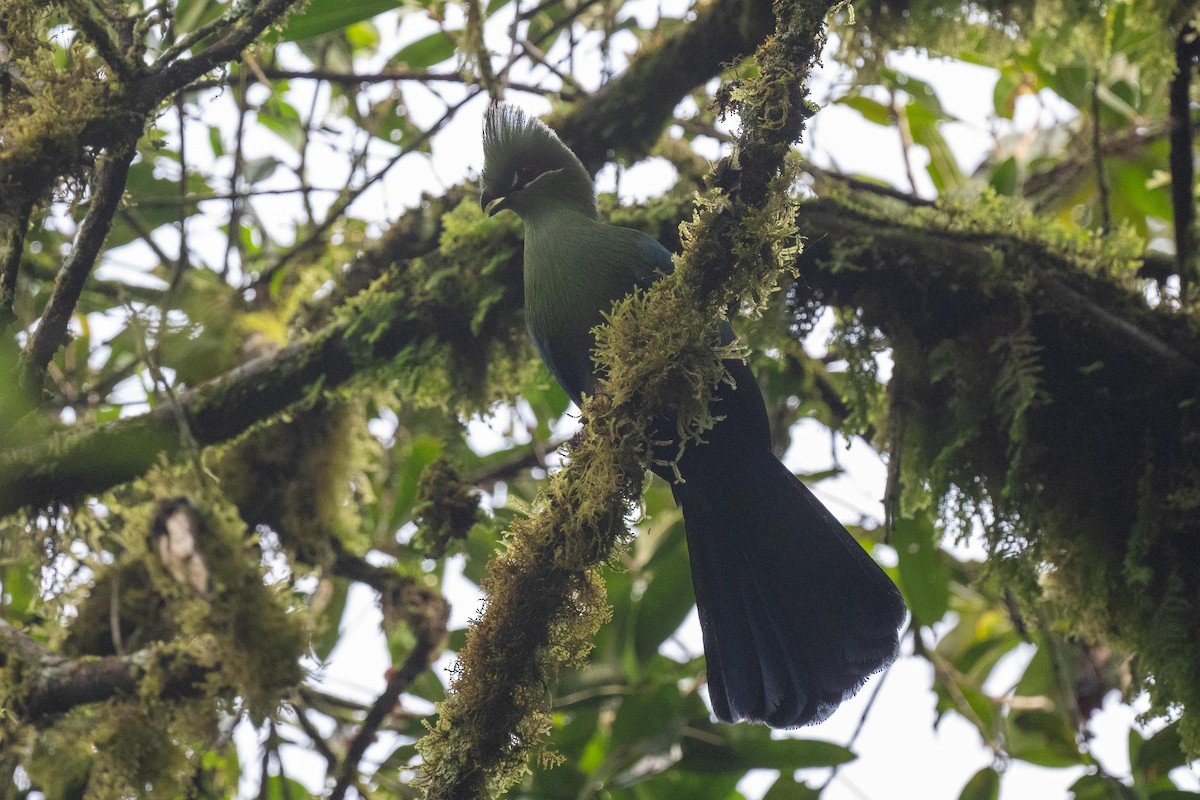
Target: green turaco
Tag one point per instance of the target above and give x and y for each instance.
(795, 615)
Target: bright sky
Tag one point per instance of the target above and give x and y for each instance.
(901, 755)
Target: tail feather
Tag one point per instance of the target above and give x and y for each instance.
(795, 615)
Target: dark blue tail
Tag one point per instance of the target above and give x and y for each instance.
(795, 614)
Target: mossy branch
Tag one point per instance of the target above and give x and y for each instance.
(850, 252)
(545, 593)
(52, 684)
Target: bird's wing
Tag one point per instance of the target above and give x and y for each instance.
(573, 375)
(653, 260)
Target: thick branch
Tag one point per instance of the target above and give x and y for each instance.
(76, 463)
(108, 184)
(56, 684)
(545, 597)
(628, 114)
(10, 263)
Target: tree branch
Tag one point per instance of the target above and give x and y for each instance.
(10, 263)
(428, 614)
(57, 684)
(545, 595)
(629, 113)
(96, 32)
(1183, 178)
(353, 79)
(108, 184)
(238, 29)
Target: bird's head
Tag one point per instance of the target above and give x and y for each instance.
(528, 169)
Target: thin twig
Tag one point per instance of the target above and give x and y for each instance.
(352, 79)
(247, 194)
(428, 620)
(318, 741)
(906, 140)
(96, 32)
(181, 263)
(862, 721)
(860, 185)
(1183, 175)
(233, 240)
(143, 231)
(240, 28)
(1098, 157)
(347, 199)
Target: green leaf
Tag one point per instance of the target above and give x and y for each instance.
(921, 92)
(18, 588)
(257, 170)
(645, 719)
(190, 14)
(326, 16)
(425, 52)
(422, 451)
(1011, 84)
(1038, 679)
(924, 578)
(668, 596)
(545, 20)
(294, 790)
(283, 120)
(214, 141)
(1098, 787)
(747, 748)
(872, 110)
(1152, 759)
(943, 167)
(673, 784)
(155, 199)
(984, 785)
(1005, 177)
(788, 788)
(1043, 738)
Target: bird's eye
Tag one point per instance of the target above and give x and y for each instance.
(528, 172)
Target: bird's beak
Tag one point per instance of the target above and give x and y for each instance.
(487, 199)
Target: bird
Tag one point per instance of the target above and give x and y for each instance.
(794, 615)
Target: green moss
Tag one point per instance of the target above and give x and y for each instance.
(1073, 457)
(446, 508)
(294, 474)
(472, 352)
(1043, 37)
(56, 96)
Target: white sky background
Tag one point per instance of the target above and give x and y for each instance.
(900, 754)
